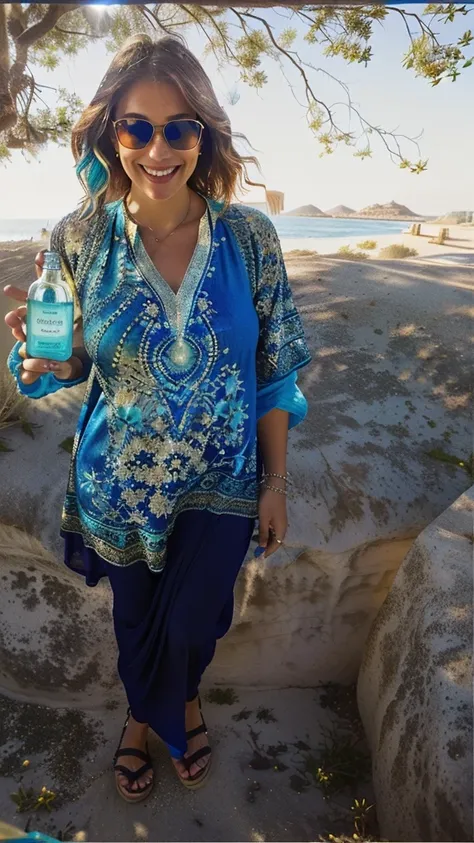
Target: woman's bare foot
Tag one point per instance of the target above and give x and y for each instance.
(193, 720)
(135, 737)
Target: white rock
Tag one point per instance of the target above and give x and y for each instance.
(415, 687)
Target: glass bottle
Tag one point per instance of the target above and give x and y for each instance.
(50, 313)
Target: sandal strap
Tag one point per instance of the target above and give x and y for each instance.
(132, 775)
(127, 718)
(199, 730)
(138, 753)
(196, 756)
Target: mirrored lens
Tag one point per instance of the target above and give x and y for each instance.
(134, 134)
(182, 134)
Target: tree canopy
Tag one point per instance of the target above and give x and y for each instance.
(35, 38)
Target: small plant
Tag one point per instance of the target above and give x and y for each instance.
(242, 715)
(13, 405)
(367, 244)
(361, 809)
(301, 253)
(266, 715)
(397, 250)
(349, 254)
(442, 456)
(67, 444)
(30, 800)
(222, 696)
(362, 815)
(68, 834)
(342, 700)
(340, 763)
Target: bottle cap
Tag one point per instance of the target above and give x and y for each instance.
(52, 261)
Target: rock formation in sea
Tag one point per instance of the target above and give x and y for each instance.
(305, 211)
(341, 211)
(389, 211)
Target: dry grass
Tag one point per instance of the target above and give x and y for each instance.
(13, 406)
(367, 244)
(301, 253)
(349, 254)
(397, 250)
(16, 544)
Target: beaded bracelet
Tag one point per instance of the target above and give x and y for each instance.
(275, 489)
(286, 477)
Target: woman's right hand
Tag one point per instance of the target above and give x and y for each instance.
(34, 367)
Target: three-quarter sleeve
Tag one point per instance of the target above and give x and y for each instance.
(282, 347)
(283, 395)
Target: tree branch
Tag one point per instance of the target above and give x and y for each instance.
(73, 32)
(148, 13)
(38, 30)
(308, 89)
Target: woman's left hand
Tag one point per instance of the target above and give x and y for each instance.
(273, 522)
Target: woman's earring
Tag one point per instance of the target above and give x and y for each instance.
(116, 155)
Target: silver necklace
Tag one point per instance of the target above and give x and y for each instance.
(157, 239)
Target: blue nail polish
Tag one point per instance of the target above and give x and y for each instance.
(259, 550)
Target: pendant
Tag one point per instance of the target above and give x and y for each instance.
(181, 354)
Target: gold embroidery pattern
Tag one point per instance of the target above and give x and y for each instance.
(175, 436)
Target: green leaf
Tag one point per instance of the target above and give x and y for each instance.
(4, 449)
(67, 444)
(27, 427)
(468, 63)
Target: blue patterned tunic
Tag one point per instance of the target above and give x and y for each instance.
(178, 380)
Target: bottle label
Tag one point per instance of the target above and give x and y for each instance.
(49, 329)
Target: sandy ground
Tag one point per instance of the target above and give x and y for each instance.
(259, 790)
(16, 267)
(459, 247)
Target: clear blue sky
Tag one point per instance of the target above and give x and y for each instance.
(276, 126)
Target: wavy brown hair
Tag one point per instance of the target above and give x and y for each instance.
(220, 167)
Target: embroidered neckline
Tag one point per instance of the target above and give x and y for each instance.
(178, 306)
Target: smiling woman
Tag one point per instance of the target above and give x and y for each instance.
(191, 345)
(188, 92)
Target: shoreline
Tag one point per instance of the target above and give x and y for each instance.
(460, 242)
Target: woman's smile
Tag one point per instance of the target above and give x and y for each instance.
(160, 175)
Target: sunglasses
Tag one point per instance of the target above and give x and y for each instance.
(135, 133)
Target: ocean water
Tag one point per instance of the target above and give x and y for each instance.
(288, 228)
(306, 229)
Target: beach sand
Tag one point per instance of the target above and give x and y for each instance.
(460, 243)
(16, 267)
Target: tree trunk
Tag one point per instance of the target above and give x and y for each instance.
(7, 106)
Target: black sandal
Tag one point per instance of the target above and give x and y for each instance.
(198, 779)
(139, 793)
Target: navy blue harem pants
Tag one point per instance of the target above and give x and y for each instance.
(167, 624)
